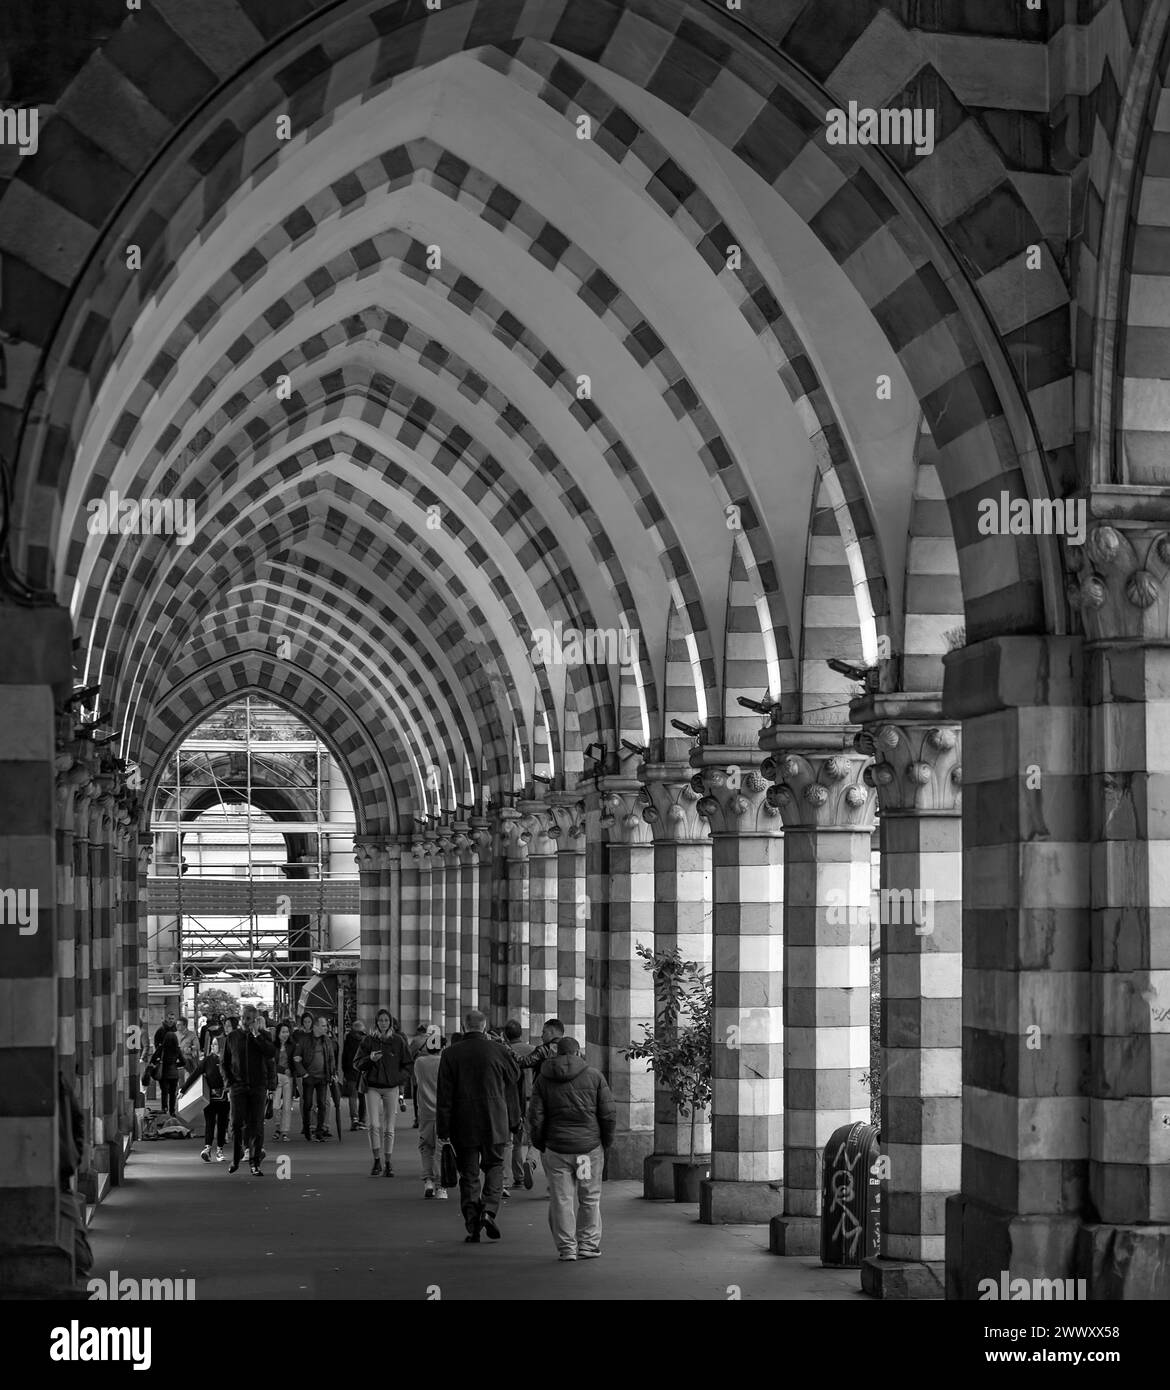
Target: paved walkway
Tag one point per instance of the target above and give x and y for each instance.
(331, 1231)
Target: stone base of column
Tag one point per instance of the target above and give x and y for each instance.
(984, 1242)
(1124, 1262)
(117, 1160)
(658, 1177)
(42, 1272)
(903, 1280)
(629, 1153)
(794, 1235)
(723, 1203)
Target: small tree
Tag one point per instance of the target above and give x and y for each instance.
(212, 1001)
(678, 1047)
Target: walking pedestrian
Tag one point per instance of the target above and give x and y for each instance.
(170, 1067)
(249, 1062)
(426, 1089)
(517, 1159)
(572, 1120)
(216, 1101)
(315, 1062)
(385, 1059)
(170, 1021)
(417, 1043)
(287, 1090)
(354, 1094)
(188, 1046)
(475, 1109)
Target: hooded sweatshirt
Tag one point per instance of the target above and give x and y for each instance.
(572, 1109)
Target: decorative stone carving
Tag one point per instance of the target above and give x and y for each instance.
(568, 812)
(915, 768)
(673, 809)
(539, 824)
(482, 837)
(733, 793)
(1121, 583)
(618, 802)
(819, 789)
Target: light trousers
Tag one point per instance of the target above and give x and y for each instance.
(282, 1103)
(574, 1199)
(381, 1114)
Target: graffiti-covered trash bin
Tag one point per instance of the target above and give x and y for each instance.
(851, 1196)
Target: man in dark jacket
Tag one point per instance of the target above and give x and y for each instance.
(572, 1120)
(476, 1109)
(315, 1063)
(249, 1060)
(349, 1051)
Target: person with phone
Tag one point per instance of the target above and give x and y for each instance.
(384, 1058)
(248, 1063)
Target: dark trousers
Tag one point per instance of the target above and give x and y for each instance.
(314, 1090)
(476, 1194)
(248, 1121)
(170, 1091)
(215, 1121)
(357, 1103)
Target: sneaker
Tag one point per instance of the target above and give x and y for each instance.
(529, 1169)
(589, 1254)
(257, 1171)
(429, 1192)
(506, 1195)
(565, 1256)
(376, 1170)
(219, 1155)
(441, 1194)
(206, 1153)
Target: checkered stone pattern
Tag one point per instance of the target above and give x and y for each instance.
(542, 911)
(434, 903)
(832, 604)
(452, 961)
(828, 834)
(467, 995)
(415, 1004)
(1027, 981)
(379, 977)
(73, 770)
(619, 994)
(483, 835)
(747, 1109)
(916, 773)
(682, 915)
(572, 911)
(104, 1018)
(29, 993)
(85, 1072)
(516, 1004)
(933, 599)
(132, 965)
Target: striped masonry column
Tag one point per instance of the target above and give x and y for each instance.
(467, 996)
(376, 857)
(498, 1010)
(828, 815)
(572, 910)
(619, 993)
(682, 923)
(145, 854)
(916, 771)
(411, 910)
(83, 969)
(483, 837)
(516, 858)
(1125, 1253)
(101, 813)
(747, 1105)
(438, 927)
(128, 868)
(35, 676)
(539, 824)
(72, 772)
(451, 959)
(122, 829)
(1027, 957)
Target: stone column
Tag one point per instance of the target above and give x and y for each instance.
(73, 772)
(484, 838)
(828, 831)
(682, 922)
(619, 994)
(542, 912)
(747, 1107)
(84, 798)
(449, 859)
(411, 920)
(516, 857)
(104, 1051)
(467, 994)
(572, 910)
(1123, 593)
(145, 854)
(379, 978)
(435, 905)
(35, 678)
(916, 772)
(1026, 961)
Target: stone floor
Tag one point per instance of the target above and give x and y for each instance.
(331, 1231)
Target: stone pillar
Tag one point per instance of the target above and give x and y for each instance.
(484, 839)
(619, 994)
(145, 854)
(828, 831)
(411, 926)
(104, 1017)
(379, 978)
(747, 1107)
(84, 798)
(467, 995)
(1026, 961)
(916, 772)
(516, 857)
(572, 911)
(435, 904)
(500, 925)
(682, 922)
(73, 772)
(35, 678)
(542, 912)
(1124, 597)
(449, 859)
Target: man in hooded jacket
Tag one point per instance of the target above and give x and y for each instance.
(572, 1120)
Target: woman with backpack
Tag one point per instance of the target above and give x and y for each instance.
(384, 1060)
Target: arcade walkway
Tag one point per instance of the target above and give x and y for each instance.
(330, 1231)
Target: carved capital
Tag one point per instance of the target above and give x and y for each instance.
(512, 834)
(916, 767)
(673, 812)
(617, 803)
(539, 826)
(818, 787)
(568, 812)
(374, 853)
(732, 791)
(482, 837)
(1121, 582)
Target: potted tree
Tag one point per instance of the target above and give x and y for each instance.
(678, 1049)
